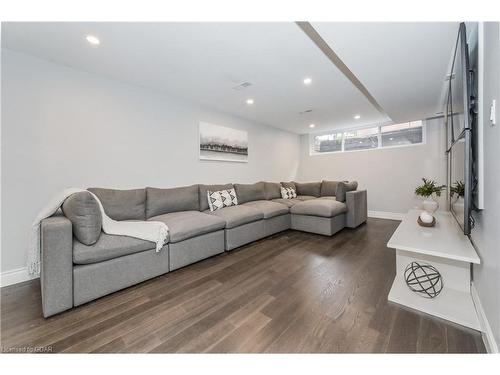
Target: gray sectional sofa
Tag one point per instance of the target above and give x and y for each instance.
(74, 273)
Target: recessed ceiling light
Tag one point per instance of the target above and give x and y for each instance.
(93, 40)
(312, 125)
(391, 139)
(357, 117)
(307, 81)
(249, 101)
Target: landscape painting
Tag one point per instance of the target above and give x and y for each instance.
(223, 143)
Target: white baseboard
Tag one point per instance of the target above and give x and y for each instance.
(15, 276)
(386, 215)
(487, 333)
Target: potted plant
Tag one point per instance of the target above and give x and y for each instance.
(431, 190)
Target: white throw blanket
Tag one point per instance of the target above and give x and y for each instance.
(154, 231)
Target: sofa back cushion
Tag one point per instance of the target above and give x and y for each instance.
(343, 187)
(272, 190)
(202, 193)
(122, 204)
(329, 188)
(163, 201)
(250, 192)
(309, 188)
(85, 215)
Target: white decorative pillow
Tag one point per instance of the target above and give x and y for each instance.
(222, 198)
(288, 193)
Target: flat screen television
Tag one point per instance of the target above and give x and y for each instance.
(459, 117)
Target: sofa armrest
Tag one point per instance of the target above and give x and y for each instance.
(357, 209)
(56, 276)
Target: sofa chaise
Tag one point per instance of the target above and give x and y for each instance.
(75, 272)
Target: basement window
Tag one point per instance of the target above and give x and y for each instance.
(331, 142)
(408, 133)
(368, 138)
(361, 139)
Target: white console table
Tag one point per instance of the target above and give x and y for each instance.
(446, 248)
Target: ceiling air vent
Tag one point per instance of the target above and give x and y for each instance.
(306, 111)
(242, 86)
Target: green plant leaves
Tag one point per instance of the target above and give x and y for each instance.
(428, 188)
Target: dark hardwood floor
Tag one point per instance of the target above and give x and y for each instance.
(293, 292)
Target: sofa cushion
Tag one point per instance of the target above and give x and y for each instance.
(250, 192)
(202, 193)
(287, 202)
(82, 209)
(269, 209)
(309, 188)
(187, 224)
(329, 188)
(109, 247)
(235, 216)
(122, 204)
(332, 198)
(272, 190)
(343, 187)
(319, 207)
(305, 197)
(163, 201)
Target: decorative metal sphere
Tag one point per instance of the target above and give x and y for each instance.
(423, 279)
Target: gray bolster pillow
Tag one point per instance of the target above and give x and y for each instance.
(85, 215)
(343, 187)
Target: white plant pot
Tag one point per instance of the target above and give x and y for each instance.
(430, 204)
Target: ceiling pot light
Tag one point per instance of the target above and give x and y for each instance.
(357, 117)
(312, 125)
(249, 101)
(307, 81)
(93, 40)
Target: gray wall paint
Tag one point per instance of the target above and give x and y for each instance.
(389, 175)
(486, 234)
(63, 127)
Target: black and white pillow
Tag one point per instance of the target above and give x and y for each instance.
(222, 198)
(288, 193)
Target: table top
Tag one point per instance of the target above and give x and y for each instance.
(445, 239)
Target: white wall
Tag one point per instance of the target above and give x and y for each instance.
(389, 175)
(63, 127)
(486, 233)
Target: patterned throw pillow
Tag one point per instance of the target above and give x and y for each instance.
(288, 193)
(222, 198)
